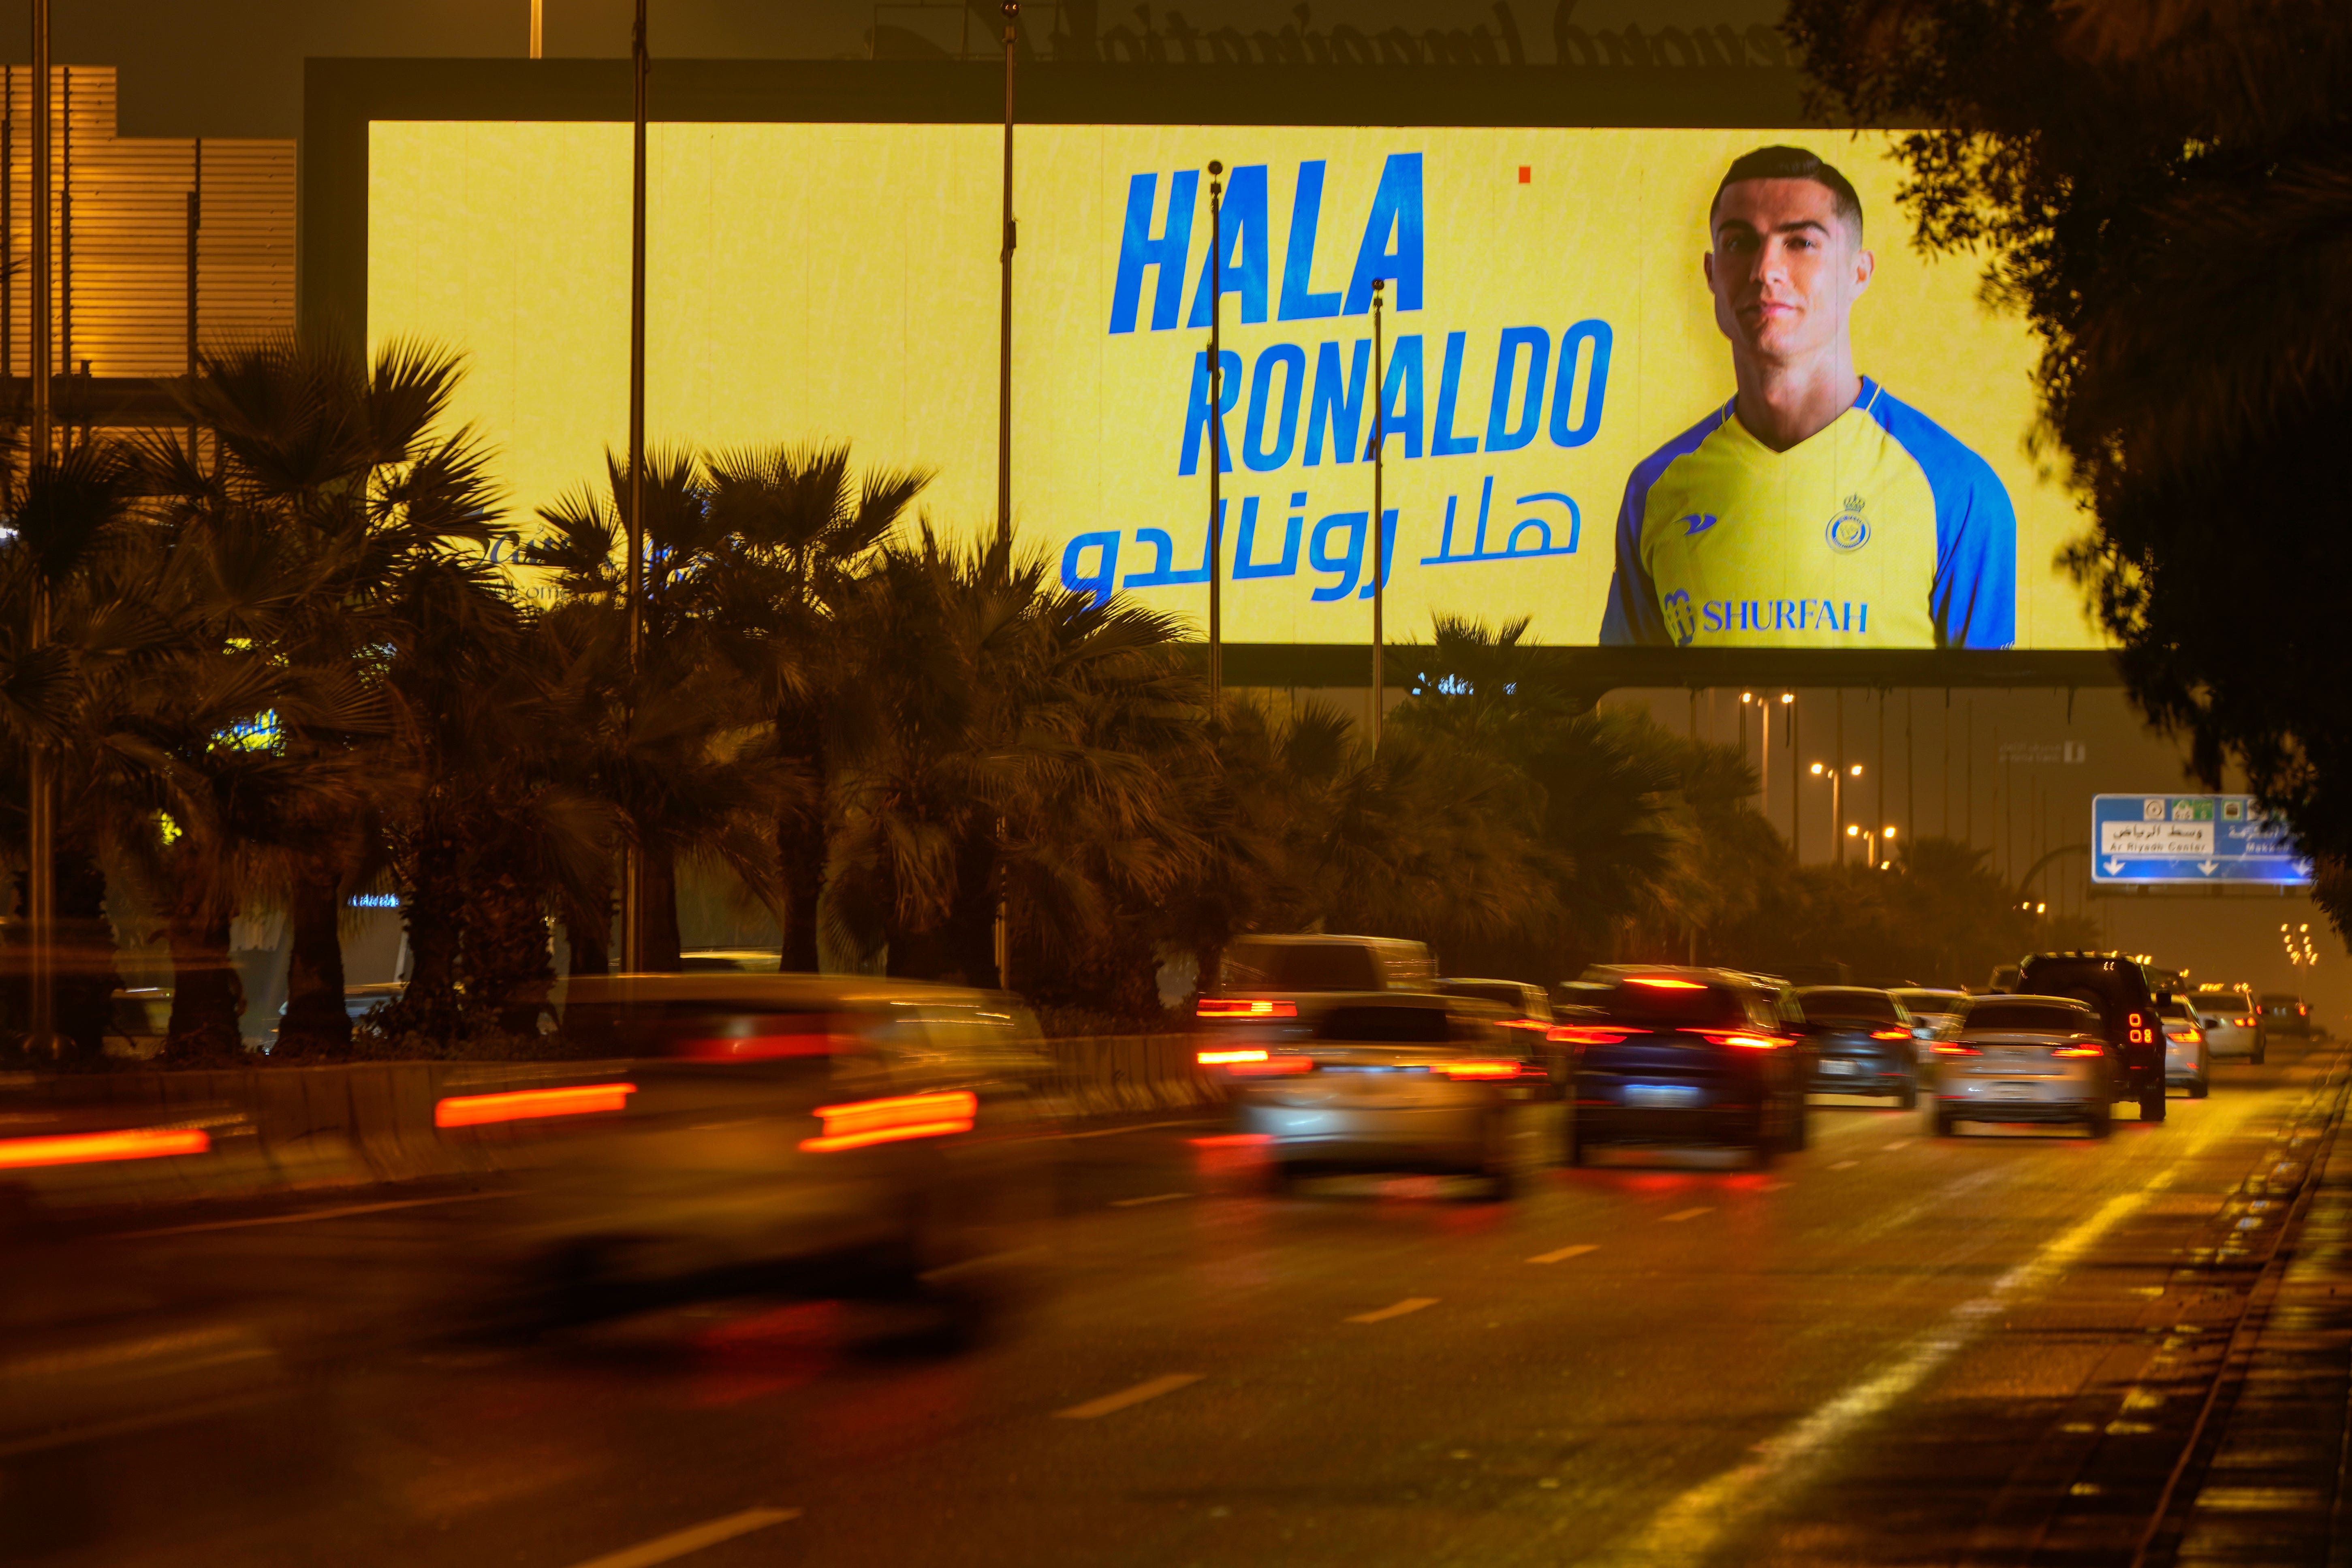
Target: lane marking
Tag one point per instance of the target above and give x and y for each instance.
(1845, 1164)
(1682, 1215)
(1687, 1530)
(306, 1214)
(1154, 1198)
(1898, 1144)
(1775, 1186)
(694, 1539)
(1410, 1304)
(1565, 1253)
(1151, 1388)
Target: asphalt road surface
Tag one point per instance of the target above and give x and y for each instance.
(1889, 1349)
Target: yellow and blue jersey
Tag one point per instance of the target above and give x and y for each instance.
(1881, 530)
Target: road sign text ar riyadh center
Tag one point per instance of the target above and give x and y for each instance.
(2178, 839)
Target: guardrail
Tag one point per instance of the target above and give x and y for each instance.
(279, 1129)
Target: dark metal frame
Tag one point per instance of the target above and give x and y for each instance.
(341, 96)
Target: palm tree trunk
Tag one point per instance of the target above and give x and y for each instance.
(207, 999)
(86, 981)
(508, 970)
(318, 1019)
(437, 917)
(799, 840)
(657, 898)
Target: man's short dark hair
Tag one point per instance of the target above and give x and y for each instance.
(1791, 163)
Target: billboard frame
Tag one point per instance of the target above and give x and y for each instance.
(341, 96)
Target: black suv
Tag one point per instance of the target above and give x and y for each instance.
(2124, 993)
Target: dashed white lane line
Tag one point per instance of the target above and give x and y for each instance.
(1151, 1388)
(1898, 1144)
(1680, 1214)
(1410, 1304)
(1565, 1253)
(1775, 1186)
(1154, 1198)
(1845, 1164)
(693, 1539)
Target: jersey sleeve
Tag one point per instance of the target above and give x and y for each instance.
(1633, 619)
(1973, 599)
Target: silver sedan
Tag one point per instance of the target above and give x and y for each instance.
(2022, 1059)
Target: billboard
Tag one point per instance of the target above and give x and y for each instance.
(2192, 840)
(1562, 439)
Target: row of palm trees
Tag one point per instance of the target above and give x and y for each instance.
(286, 664)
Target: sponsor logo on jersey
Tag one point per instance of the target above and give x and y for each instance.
(1825, 617)
(1696, 523)
(1849, 531)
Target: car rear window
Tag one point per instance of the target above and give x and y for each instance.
(1843, 1002)
(1676, 1003)
(2032, 1017)
(1301, 967)
(1932, 1001)
(1509, 995)
(1388, 1025)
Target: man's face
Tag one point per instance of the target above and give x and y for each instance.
(1786, 269)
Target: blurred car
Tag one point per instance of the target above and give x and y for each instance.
(2232, 1022)
(1400, 1082)
(1524, 1007)
(1286, 983)
(1863, 1043)
(1932, 1009)
(732, 961)
(1682, 1056)
(797, 1135)
(2120, 990)
(2283, 1013)
(2186, 1064)
(2027, 1058)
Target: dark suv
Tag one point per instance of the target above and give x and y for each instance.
(1681, 1056)
(2125, 995)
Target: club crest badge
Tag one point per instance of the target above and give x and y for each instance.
(1682, 617)
(1849, 531)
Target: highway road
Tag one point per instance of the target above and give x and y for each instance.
(1889, 1349)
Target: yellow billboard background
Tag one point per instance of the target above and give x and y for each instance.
(839, 282)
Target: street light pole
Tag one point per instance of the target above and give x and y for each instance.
(41, 797)
(1004, 314)
(1216, 437)
(1379, 713)
(632, 596)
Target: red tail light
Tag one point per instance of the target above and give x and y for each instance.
(867, 1121)
(92, 1148)
(529, 1104)
(757, 1047)
(1663, 984)
(2141, 1034)
(1481, 1069)
(1586, 1035)
(1242, 1007)
(1890, 1034)
(1227, 1058)
(1272, 1066)
(1743, 1042)
(1526, 1023)
(2079, 1051)
(1954, 1049)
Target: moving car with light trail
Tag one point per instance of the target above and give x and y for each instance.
(2024, 1059)
(1395, 1083)
(801, 1135)
(1526, 1009)
(1286, 983)
(1863, 1043)
(2232, 1022)
(2186, 1065)
(1671, 1055)
(2284, 1012)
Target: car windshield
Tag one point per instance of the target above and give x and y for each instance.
(2176, 1010)
(1840, 1002)
(2032, 1018)
(1673, 1001)
(1301, 967)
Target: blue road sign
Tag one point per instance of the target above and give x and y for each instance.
(2192, 839)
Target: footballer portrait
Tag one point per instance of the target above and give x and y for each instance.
(1814, 508)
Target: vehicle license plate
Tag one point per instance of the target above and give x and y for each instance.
(1838, 1068)
(1659, 1094)
(2012, 1091)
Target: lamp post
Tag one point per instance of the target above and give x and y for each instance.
(1004, 314)
(632, 596)
(1216, 437)
(1873, 842)
(40, 787)
(1837, 777)
(1379, 713)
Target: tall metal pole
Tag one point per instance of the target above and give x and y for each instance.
(1216, 437)
(40, 816)
(632, 596)
(538, 29)
(1796, 794)
(1380, 396)
(1004, 311)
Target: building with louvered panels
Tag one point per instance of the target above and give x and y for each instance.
(162, 243)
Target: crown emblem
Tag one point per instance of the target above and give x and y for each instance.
(1855, 503)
